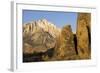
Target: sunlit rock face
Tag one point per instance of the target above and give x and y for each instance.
(39, 36)
(66, 50)
(83, 34)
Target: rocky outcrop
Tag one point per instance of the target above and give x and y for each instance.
(66, 50)
(83, 34)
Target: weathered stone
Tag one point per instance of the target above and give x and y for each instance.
(66, 51)
(42, 41)
(83, 33)
(27, 48)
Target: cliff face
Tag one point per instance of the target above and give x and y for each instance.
(83, 34)
(66, 51)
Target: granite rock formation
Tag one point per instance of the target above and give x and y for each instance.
(83, 34)
(66, 50)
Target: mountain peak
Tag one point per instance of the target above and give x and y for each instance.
(44, 20)
(41, 33)
(42, 24)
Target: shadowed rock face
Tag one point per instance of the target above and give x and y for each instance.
(83, 34)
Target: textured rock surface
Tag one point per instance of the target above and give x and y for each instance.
(66, 51)
(83, 34)
(27, 48)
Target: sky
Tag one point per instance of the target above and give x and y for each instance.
(58, 18)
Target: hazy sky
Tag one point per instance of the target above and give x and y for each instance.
(58, 18)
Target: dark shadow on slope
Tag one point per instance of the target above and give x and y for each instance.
(75, 42)
(89, 35)
(37, 57)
